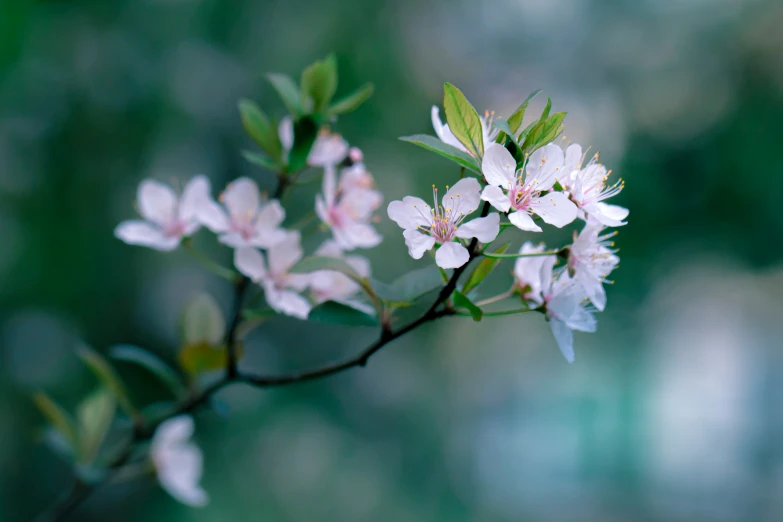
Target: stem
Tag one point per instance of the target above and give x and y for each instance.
(495, 299)
(497, 314)
(212, 266)
(529, 254)
(239, 294)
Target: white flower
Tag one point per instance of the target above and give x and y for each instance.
(446, 136)
(168, 218)
(590, 260)
(178, 461)
(348, 213)
(329, 285)
(246, 221)
(423, 226)
(285, 130)
(280, 288)
(328, 150)
(507, 190)
(566, 311)
(533, 275)
(588, 189)
(355, 176)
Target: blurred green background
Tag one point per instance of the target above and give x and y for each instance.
(672, 410)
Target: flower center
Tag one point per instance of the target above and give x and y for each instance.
(444, 219)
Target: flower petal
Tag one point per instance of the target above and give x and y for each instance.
(564, 337)
(327, 151)
(496, 197)
(241, 198)
(174, 430)
(179, 473)
(484, 229)
(287, 302)
(145, 234)
(250, 262)
(157, 202)
(410, 213)
(195, 195)
(451, 255)
(417, 242)
(499, 166)
(463, 197)
(356, 235)
(610, 215)
(285, 254)
(523, 221)
(442, 130)
(555, 208)
(545, 167)
(286, 133)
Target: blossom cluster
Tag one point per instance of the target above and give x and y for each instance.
(251, 224)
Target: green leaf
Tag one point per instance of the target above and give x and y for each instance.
(203, 322)
(505, 131)
(106, 374)
(547, 109)
(305, 132)
(544, 132)
(447, 151)
(460, 301)
(352, 102)
(463, 120)
(331, 312)
(315, 263)
(202, 357)
(95, 415)
(258, 126)
(410, 286)
(515, 120)
(288, 91)
(482, 270)
(145, 359)
(258, 313)
(59, 419)
(319, 83)
(262, 161)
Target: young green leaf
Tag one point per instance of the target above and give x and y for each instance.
(352, 101)
(288, 91)
(331, 312)
(202, 357)
(433, 144)
(463, 120)
(145, 359)
(419, 282)
(258, 126)
(547, 109)
(505, 131)
(106, 374)
(59, 419)
(544, 132)
(482, 270)
(460, 301)
(262, 161)
(305, 133)
(515, 120)
(203, 321)
(95, 415)
(319, 83)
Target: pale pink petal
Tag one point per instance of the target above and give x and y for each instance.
(484, 229)
(499, 166)
(285, 254)
(610, 215)
(555, 208)
(410, 213)
(523, 221)
(329, 248)
(496, 197)
(564, 337)
(357, 235)
(241, 198)
(360, 203)
(463, 197)
(545, 166)
(157, 202)
(250, 262)
(287, 302)
(145, 234)
(286, 133)
(212, 216)
(451, 255)
(417, 242)
(442, 130)
(195, 195)
(328, 150)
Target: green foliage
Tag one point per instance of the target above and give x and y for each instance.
(288, 91)
(482, 270)
(444, 149)
(202, 357)
(256, 158)
(60, 420)
(542, 132)
(460, 301)
(261, 129)
(148, 360)
(203, 321)
(319, 83)
(463, 120)
(315, 263)
(106, 374)
(407, 288)
(515, 120)
(94, 415)
(331, 312)
(305, 133)
(352, 101)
